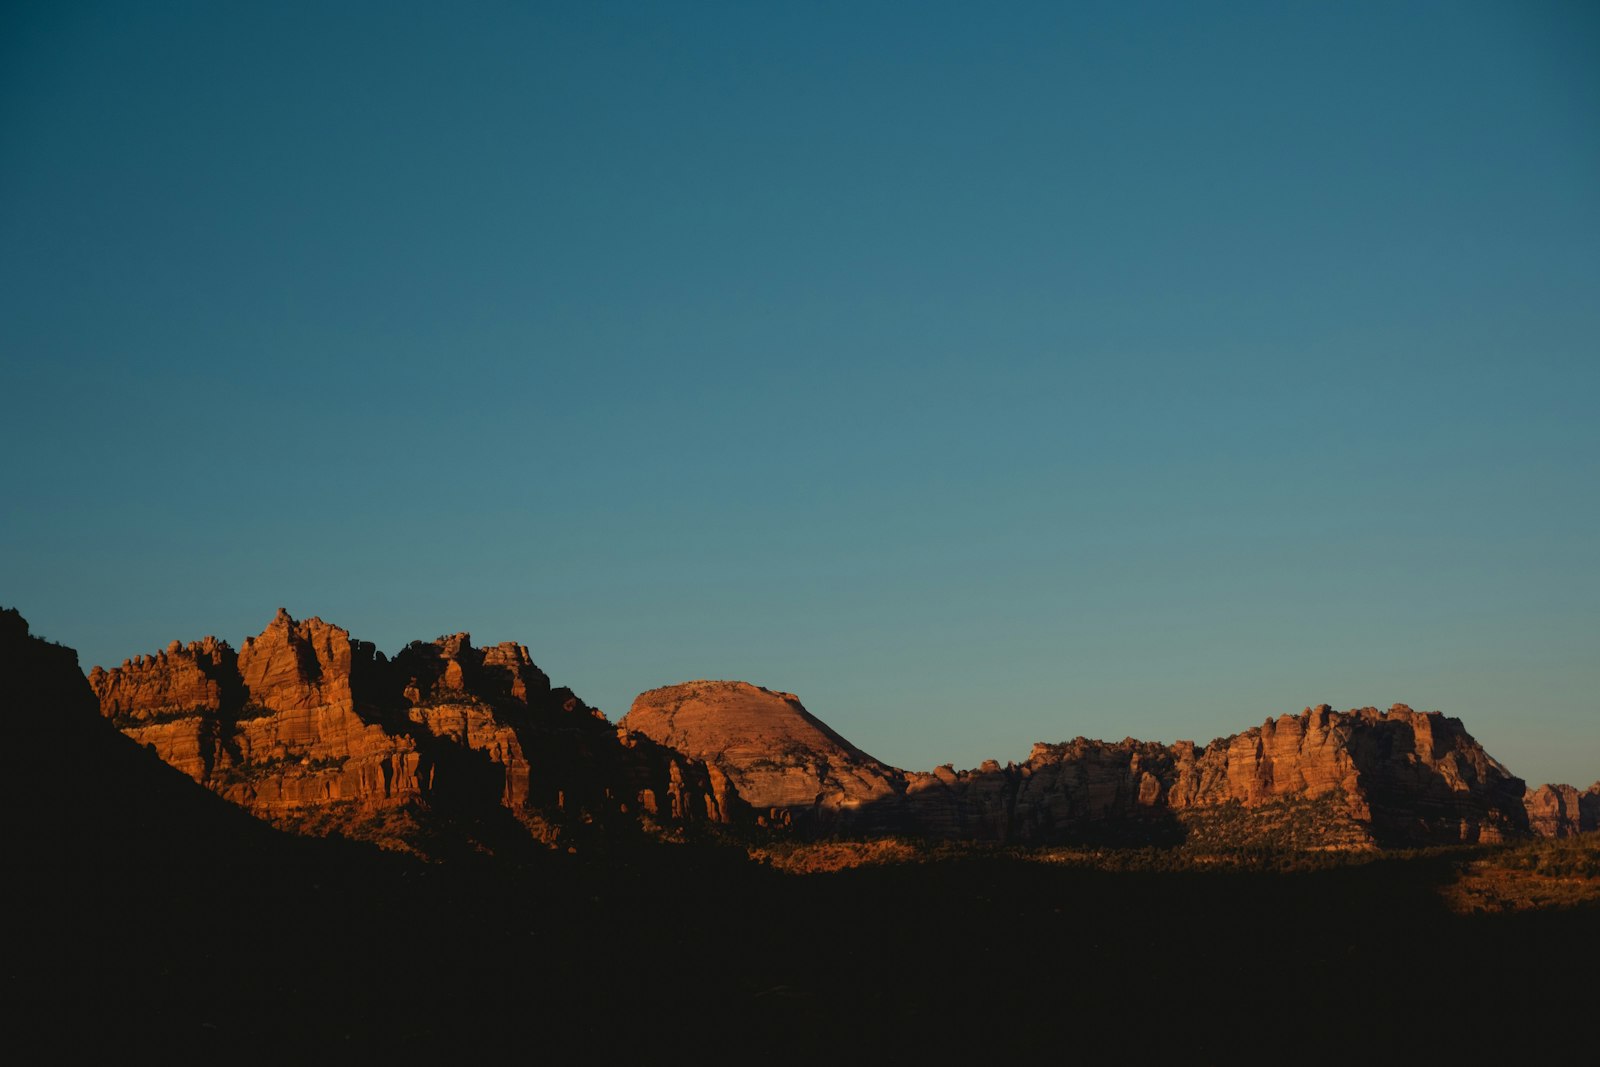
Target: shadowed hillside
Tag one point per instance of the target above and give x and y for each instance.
(161, 919)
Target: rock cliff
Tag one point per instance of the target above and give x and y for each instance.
(1562, 811)
(315, 730)
(305, 720)
(782, 760)
(1320, 779)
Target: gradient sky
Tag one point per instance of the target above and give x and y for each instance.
(983, 374)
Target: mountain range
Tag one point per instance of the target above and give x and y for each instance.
(193, 876)
(316, 731)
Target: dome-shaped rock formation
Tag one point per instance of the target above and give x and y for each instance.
(783, 760)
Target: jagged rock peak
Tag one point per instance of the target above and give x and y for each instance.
(449, 666)
(1377, 776)
(179, 679)
(305, 718)
(299, 665)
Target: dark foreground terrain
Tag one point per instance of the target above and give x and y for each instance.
(192, 930)
(150, 917)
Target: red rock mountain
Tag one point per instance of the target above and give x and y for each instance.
(1321, 779)
(783, 760)
(1562, 811)
(305, 721)
(317, 731)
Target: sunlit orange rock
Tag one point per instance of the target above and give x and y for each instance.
(304, 718)
(774, 753)
(1562, 811)
(1320, 779)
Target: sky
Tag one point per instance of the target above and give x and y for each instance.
(983, 374)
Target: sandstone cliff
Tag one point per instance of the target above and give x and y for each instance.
(1562, 811)
(315, 730)
(782, 760)
(1320, 779)
(310, 727)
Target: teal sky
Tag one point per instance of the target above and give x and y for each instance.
(983, 374)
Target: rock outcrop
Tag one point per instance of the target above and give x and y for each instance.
(1330, 779)
(311, 728)
(1320, 779)
(305, 720)
(782, 760)
(294, 718)
(1562, 811)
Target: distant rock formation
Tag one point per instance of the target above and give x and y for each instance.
(1562, 811)
(783, 761)
(316, 731)
(305, 718)
(1321, 779)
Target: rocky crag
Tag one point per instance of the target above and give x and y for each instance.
(1562, 811)
(1320, 779)
(154, 917)
(316, 731)
(308, 727)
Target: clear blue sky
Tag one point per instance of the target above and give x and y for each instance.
(982, 373)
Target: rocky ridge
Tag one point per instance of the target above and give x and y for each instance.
(315, 730)
(1320, 779)
(306, 719)
(1563, 811)
(185, 924)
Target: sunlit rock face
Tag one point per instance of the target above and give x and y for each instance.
(1562, 811)
(294, 718)
(782, 760)
(306, 725)
(1410, 777)
(1322, 779)
(305, 720)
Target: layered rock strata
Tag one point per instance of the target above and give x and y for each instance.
(1562, 811)
(1320, 779)
(782, 760)
(305, 723)
(1384, 777)
(304, 716)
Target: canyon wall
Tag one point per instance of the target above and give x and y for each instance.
(313, 729)
(1562, 811)
(306, 720)
(1320, 779)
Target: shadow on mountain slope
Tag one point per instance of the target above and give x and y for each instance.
(157, 919)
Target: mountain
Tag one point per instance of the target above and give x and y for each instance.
(1562, 811)
(448, 746)
(1322, 779)
(783, 760)
(155, 918)
(312, 729)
